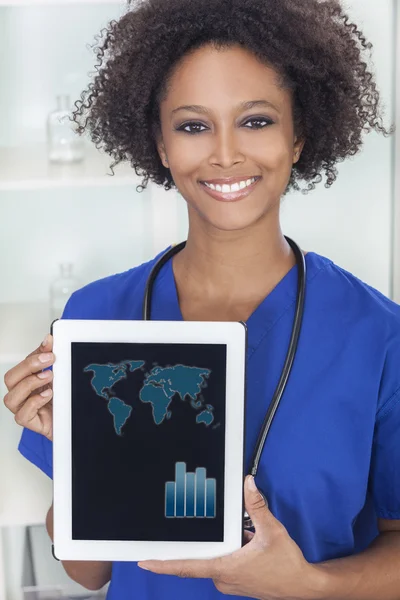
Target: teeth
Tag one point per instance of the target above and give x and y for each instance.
(227, 189)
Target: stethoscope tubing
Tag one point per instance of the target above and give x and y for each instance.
(290, 356)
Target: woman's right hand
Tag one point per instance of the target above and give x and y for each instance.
(30, 390)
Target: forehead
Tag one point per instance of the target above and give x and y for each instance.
(209, 76)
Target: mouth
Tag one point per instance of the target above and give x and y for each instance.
(230, 196)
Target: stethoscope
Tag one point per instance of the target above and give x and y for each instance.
(287, 367)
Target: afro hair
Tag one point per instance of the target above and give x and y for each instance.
(312, 44)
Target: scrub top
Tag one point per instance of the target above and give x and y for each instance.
(331, 462)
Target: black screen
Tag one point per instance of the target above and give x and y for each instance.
(148, 441)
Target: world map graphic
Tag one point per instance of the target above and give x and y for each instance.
(159, 387)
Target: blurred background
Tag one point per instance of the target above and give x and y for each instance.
(64, 223)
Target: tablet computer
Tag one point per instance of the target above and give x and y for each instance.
(148, 451)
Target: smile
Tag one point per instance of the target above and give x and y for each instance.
(230, 193)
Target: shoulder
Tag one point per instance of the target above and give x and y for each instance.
(112, 297)
(337, 287)
(364, 322)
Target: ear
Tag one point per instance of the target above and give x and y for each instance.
(297, 149)
(161, 151)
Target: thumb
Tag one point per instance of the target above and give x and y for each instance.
(45, 346)
(258, 510)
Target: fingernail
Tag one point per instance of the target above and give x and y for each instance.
(44, 358)
(44, 374)
(142, 567)
(46, 339)
(46, 393)
(252, 484)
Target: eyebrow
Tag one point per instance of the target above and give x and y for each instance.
(242, 106)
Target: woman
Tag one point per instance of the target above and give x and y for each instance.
(257, 94)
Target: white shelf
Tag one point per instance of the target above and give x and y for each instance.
(23, 327)
(29, 492)
(27, 168)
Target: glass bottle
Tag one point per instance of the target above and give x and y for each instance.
(64, 145)
(61, 289)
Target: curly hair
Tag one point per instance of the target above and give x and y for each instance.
(311, 44)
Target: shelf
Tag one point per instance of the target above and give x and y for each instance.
(23, 327)
(27, 168)
(28, 491)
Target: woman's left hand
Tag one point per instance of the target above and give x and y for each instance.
(269, 567)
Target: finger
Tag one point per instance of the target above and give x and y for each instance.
(31, 407)
(258, 511)
(203, 569)
(45, 346)
(33, 363)
(18, 395)
(36, 414)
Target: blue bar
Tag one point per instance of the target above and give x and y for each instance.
(200, 491)
(189, 510)
(211, 493)
(180, 476)
(170, 499)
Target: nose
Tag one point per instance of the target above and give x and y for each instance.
(226, 149)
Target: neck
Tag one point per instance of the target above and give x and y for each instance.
(233, 266)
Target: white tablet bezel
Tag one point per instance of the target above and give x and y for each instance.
(65, 332)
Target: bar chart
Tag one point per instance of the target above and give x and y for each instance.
(191, 495)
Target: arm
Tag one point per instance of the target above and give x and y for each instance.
(92, 575)
(272, 566)
(25, 382)
(372, 574)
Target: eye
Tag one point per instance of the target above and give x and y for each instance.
(261, 122)
(191, 125)
(264, 120)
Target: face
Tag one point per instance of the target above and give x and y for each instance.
(222, 137)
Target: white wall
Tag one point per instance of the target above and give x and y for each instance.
(99, 230)
(44, 53)
(351, 223)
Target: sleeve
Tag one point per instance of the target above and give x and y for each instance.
(33, 446)
(38, 450)
(385, 461)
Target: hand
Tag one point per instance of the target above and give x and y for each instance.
(25, 383)
(268, 567)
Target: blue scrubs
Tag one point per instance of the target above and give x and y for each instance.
(331, 463)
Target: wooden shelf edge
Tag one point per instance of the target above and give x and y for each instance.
(27, 167)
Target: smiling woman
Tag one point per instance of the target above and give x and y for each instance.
(316, 57)
(224, 141)
(235, 102)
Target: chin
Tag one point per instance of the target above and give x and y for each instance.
(234, 217)
(231, 223)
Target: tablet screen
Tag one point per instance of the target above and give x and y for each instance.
(148, 441)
